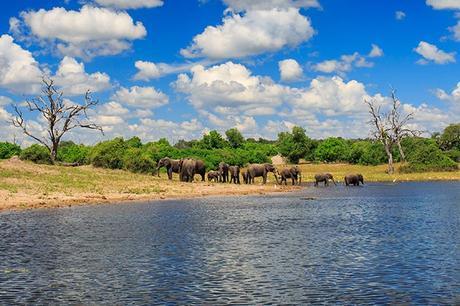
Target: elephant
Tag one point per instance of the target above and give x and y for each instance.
(223, 171)
(213, 176)
(324, 177)
(245, 177)
(172, 165)
(293, 173)
(354, 179)
(199, 168)
(187, 169)
(234, 174)
(256, 170)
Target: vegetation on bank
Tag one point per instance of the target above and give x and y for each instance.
(438, 153)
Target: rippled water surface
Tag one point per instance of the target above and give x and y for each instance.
(374, 244)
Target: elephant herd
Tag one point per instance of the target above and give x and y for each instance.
(187, 168)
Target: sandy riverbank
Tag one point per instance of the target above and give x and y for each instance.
(24, 185)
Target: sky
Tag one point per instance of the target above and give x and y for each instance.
(180, 68)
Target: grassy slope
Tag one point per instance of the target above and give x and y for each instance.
(26, 185)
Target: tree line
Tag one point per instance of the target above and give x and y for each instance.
(441, 152)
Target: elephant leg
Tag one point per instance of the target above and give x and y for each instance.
(170, 173)
(293, 181)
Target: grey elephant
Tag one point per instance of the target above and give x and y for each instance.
(213, 176)
(354, 179)
(223, 171)
(186, 175)
(187, 169)
(324, 177)
(257, 170)
(234, 174)
(244, 174)
(171, 165)
(292, 173)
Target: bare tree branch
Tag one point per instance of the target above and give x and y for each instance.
(60, 116)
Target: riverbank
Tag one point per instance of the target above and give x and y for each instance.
(25, 185)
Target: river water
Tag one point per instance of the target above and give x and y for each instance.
(381, 243)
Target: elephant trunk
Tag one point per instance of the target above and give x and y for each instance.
(158, 171)
(300, 179)
(276, 178)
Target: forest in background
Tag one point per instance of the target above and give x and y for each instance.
(440, 152)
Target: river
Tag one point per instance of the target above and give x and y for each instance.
(377, 244)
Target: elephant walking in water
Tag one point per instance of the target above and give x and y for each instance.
(234, 174)
(213, 176)
(171, 165)
(354, 179)
(292, 173)
(223, 171)
(257, 170)
(324, 177)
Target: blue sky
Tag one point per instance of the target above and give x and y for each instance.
(178, 69)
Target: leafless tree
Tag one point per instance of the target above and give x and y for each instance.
(391, 127)
(60, 115)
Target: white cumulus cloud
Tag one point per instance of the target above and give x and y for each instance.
(454, 96)
(149, 70)
(141, 97)
(251, 33)
(86, 33)
(245, 5)
(376, 51)
(19, 71)
(130, 4)
(400, 15)
(74, 80)
(432, 53)
(290, 70)
(444, 4)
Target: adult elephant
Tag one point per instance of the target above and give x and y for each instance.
(292, 173)
(354, 179)
(324, 177)
(171, 165)
(187, 169)
(200, 168)
(257, 170)
(234, 174)
(213, 176)
(223, 171)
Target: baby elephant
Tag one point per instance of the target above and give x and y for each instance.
(234, 174)
(292, 173)
(354, 179)
(213, 176)
(324, 177)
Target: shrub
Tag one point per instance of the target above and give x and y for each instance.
(428, 157)
(70, 152)
(139, 161)
(332, 150)
(108, 154)
(37, 154)
(8, 150)
(367, 153)
(454, 155)
(295, 145)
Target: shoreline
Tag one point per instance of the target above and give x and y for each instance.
(24, 185)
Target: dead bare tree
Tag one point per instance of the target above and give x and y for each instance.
(60, 115)
(399, 124)
(390, 128)
(382, 131)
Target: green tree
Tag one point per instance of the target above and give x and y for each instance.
(450, 138)
(8, 150)
(295, 145)
(235, 138)
(332, 149)
(213, 140)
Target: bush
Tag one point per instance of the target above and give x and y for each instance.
(70, 152)
(108, 154)
(8, 150)
(428, 157)
(37, 154)
(139, 161)
(295, 145)
(454, 155)
(332, 150)
(367, 153)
